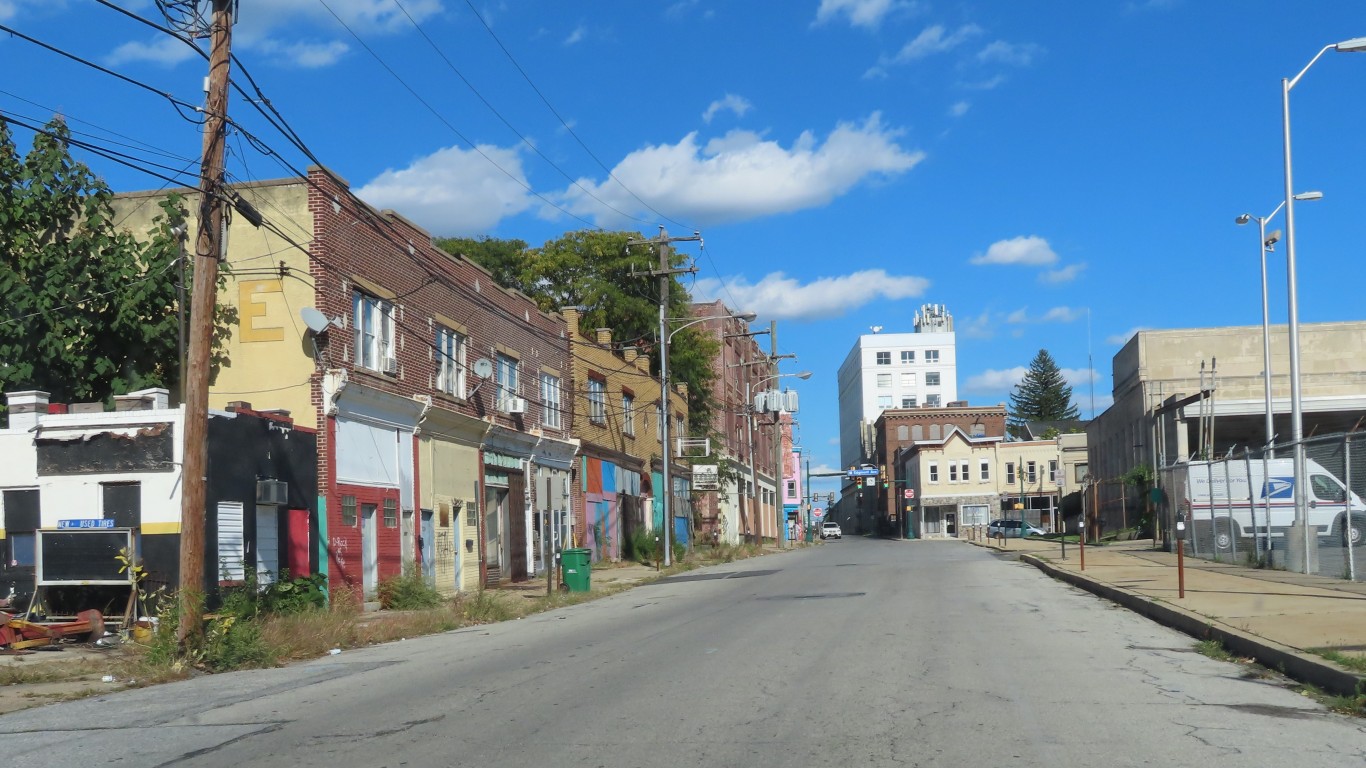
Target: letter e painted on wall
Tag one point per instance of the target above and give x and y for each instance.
(252, 304)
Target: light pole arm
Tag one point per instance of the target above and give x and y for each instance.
(1294, 80)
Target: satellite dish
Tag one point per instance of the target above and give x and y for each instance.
(316, 321)
(483, 368)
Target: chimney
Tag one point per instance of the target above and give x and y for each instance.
(25, 408)
(239, 405)
(604, 337)
(571, 320)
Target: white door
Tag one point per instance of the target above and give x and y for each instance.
(369, 550)
(267, 543)
(407, 539)
(231, 552)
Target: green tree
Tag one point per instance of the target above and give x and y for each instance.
(596, 270)
(1043, 395)
(89, 310)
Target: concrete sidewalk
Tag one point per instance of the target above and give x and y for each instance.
(1275, 617)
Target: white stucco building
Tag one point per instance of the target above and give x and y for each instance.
(896, 370)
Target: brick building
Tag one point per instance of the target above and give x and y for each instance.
(615, 404)
(443, 441)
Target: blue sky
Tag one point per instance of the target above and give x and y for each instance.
(1027, 164)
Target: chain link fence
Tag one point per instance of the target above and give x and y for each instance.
(1243, 508)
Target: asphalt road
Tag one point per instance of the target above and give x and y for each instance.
(854, 653)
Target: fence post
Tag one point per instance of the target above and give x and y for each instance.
(1348, 521)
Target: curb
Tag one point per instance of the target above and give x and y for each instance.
(1305, 667)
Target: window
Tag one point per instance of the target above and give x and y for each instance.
(903, 432)
(917, 432)
(1010, 473)
(884, 379)
(934, 472)
(907, 356)
(348, 510)
(932, 400)
(931, 355)
(450, 362)
(628, 414)
(935, 434)
(1052, 470)
(984, 470)
(908, 379)
(884, 401)
(597, 401)
(884, 358)
(791, 487)
(978, 430)
(550, 400)
(1325, 488)
(680, 429)
(390, 513)
(373, 320)
(963, 471)
(22, 518)
(953, 471)
(932, 379)
(1079, 472)
(908, 402)
(1031, 472)
(506, 373)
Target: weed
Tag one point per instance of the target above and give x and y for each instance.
(408, 592)
(1355, 663)
(1214, 649)
(483, 607)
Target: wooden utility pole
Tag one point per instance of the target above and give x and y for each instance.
(208, 251)
(665, 273)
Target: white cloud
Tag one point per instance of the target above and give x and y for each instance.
(861, 13)
(932, 40)
(1079, 377)
(1054, 315)
(258, 20)
(976, 327)
(1064, 275)
(307, 55)
(1121, 339)
(164, 50)
(1016, 54)
(730, 103)
(779, 297)
(1031, 250)
(577, 35)
(744, 176)
(986, 85)
(833, 441)
(992, 381)
(454, 191)
(959, 109)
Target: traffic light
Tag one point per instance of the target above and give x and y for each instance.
(882, 475)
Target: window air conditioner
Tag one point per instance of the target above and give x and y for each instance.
(272, 492)
(514, 405)
(391, 365)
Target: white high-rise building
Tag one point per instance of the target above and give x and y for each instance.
(896, 370)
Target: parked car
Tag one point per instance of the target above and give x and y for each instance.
(831, 530)
(1011, 529)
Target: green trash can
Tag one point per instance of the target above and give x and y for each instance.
(577, 569)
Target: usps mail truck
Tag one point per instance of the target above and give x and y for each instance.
(1225, 498)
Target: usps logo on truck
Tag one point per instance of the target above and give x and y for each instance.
(1279, 488)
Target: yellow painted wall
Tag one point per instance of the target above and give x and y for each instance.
(270, 355)
(448, 463)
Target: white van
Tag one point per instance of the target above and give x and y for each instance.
(1219, 492)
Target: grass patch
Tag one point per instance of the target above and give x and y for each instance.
(1214, 650)
(409, 592)
(1355, 663)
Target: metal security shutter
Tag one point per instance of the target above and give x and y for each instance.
(231, 550)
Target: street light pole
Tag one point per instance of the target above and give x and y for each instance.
(1267, 244)
(1296, 405)
(777, 470)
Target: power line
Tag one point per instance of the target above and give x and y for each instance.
(448, 124)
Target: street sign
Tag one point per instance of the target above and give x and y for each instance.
(706, 477)
(862, 472)
(86, 524)
(869, 482)
(908, 493)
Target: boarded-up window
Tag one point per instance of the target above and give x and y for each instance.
(902, 432)
(917, 432)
